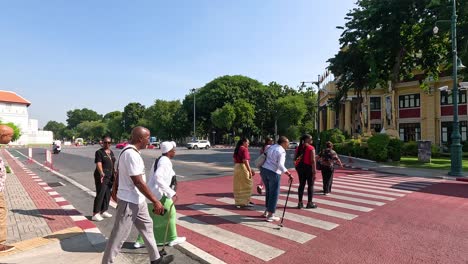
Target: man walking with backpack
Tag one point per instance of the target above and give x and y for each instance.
(131, 191)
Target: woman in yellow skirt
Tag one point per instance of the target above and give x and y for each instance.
(242, 174)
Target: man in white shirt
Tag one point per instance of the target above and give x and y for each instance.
(130, 190)
(271, 172)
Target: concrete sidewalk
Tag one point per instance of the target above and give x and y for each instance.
(363, 164)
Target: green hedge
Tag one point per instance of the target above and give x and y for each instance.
(394, 149)
(334, 135)
(378, 147)
(410, 149)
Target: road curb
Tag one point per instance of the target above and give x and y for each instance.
(93, 234)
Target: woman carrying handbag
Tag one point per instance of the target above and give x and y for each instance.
(328, 158)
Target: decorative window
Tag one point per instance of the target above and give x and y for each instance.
(375, 103)
(446, 128)
(447, 99)
(410, 132)
(409, 101)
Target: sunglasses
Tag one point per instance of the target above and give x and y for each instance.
(107, 142)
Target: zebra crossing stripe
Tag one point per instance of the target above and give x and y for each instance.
(244, 244)
(205, 256)
(336, 204)
(399, 181)
(371, 186)
(251, 222)
(290, 216)
(352, 199)
(364, 189)
(323, 211)
(368, 195)
(351, 183)
(401, 186)
(341, 205)
(398, 178)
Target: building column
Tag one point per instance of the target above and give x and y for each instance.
(347, 117)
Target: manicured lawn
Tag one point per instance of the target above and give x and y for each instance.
(436, 163)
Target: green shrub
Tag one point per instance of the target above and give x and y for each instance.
(394, 149)
(377, 145)
(334, 135)
(410, 149)
(435, 151)
(352, 147)
(465, 146)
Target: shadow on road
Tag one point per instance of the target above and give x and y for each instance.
(450, 188)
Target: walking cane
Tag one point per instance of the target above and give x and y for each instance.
(163, 251)
(285, 205)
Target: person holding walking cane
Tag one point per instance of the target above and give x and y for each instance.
(164, 226)
(271, 172)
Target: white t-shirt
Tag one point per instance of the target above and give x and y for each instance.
(130, 164)
(159, 183)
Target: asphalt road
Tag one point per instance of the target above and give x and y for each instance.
(77, 164)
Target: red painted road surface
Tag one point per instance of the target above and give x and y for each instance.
(368, 218)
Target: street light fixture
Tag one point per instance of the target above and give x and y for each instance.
(317, 148)
(456, 147)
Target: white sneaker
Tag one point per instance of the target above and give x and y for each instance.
(106, 215)
(272, 218)
(265, 214)
(177, 241)
(138, 245)
(97, 218)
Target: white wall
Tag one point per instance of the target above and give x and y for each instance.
(15, 113)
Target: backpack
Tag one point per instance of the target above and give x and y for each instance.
(326, 158)
(173, 184)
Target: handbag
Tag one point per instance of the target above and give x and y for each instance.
(260, 160)
(318, 165)
(298, 160)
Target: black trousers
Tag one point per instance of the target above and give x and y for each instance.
(327, 176)
(103, 194)
(305, 176)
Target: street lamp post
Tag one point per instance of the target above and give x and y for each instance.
(317, 148)
(194, 112)
(456, 147)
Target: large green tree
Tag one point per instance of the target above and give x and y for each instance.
(57, 128)
(114, 124)
(160, 119)
(91, 129)
(390, 41)
(75, 117)
(132, 114)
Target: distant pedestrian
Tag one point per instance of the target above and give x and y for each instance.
(6, 134)
(130, 190)
(103, 179)
(159, 184)
(271, 172)
(266, 145)
(327, 159)
(305, 166)
(242, 174)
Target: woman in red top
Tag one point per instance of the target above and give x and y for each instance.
(305, 167)
(242, 174)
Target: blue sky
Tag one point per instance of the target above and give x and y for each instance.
(62, 55)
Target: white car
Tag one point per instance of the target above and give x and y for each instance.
(199, 144)
(293, 144)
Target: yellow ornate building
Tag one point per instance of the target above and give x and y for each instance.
(408, 112)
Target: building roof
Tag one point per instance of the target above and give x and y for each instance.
(12, 97)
